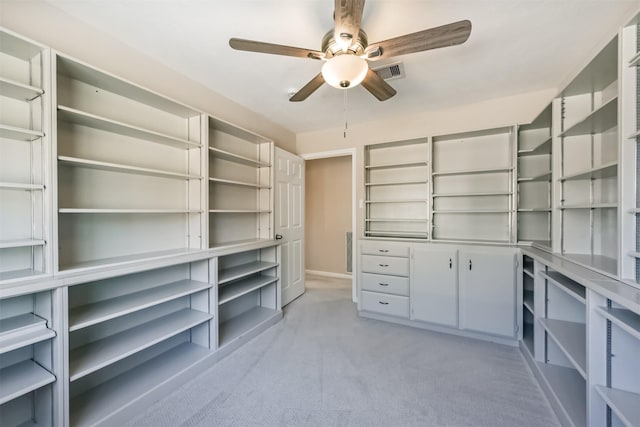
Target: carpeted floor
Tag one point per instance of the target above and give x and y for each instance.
(324, 366)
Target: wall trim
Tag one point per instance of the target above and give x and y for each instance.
(329, 274)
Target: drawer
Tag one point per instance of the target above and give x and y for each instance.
(385, 265)
(387, 284)
(391, 305)
(381, 248)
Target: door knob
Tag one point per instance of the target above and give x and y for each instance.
(278, 236)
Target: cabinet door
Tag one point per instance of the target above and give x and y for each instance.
(487, 292)
(434, 286)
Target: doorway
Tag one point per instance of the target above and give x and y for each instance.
(330, 214)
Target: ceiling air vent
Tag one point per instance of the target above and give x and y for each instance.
(391, 71)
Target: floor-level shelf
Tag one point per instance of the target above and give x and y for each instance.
(626, 405)
(569, 389)
(571, 338)
(241, 324)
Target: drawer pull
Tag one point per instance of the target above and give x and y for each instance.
(383, 302)
(383, 284)
(384, 251)
(383, 265)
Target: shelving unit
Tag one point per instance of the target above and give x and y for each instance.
(24, 156)
(528, 303)
(130, 164)
(476, 167)
(248, 286)
(123, 329)
(535, 180)
(240, 185)
(396, 189)
(28, 360)
(588, 181)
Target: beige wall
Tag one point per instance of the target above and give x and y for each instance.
(327, 213)
(50, 26)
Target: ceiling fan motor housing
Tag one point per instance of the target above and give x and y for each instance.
(331, 47)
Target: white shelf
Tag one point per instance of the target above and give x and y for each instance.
(409, 220)
(538, 178)
(98, 354)
(607, 170)
(241, 242)
(542, 210)
(91, 314)
(472, 211)
(635, 254)
(398, 201)
(239, 211)
(226, 155)
(238, 183)
(542, 148)
(635, 211)
(494, 193)
(125, 211)
(19, 274)
(23, 330)
(380, 184)
(7, 244)
(633, 62)
(94, 164)
(592, 206)
(602, 263)
(570, 389)
(624, 319)
(99, 403)
(91, 120)
(390, 233)
(473, 171)
(634, 135)
(229, 274)
(599, 120)
(127, 259)
(572, 340)
(573, 289)
(624, 404)
(16, 90)
(528, 273)
(396, 165)
(542, 243)
(11, 132)
(22, 378)
(528, 301)
(238, 325)
(21, 187)
(243, 287)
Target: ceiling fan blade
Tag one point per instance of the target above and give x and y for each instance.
(433, 38)
(308, 89)
(348, 17)
(274, 49)
(377, 86)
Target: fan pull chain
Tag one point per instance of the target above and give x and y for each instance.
(346, 125)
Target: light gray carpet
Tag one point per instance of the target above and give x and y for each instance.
(324, 366)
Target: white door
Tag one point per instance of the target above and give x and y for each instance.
(289, 228)
(434, 286)
(488, 292)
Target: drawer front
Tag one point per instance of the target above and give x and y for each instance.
(387, 284)
(381, 248)
(391, 305)
(385, 265)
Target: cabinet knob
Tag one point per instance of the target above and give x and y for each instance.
(383, 302)
(470, 265)
(450, 263)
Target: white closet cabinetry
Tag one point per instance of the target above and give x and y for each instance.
(434, 286)
(240, 185)
(24, 159)
(130, 170)
(30, 391)
(473, 186)
(128, 335)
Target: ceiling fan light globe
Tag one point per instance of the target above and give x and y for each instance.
(345, 71)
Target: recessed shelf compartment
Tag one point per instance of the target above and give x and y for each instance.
(125, 211)
(542, 148)
(573, 289)
(17, 90)
(495, 193)
(600, 120)
(94, 164)
(237, 326)
(91, 314)
(96, 355)
(569, 389)
(538, 178)
(238, 211)
(601, 263)
(626, 405)
(528, 301)
(19, 134)
(242, 287)
(397, 220)
(472, 171)
(633, 62)
(240, 271)
(571, 338)
(125, 259)
(22, 378)
(625, 319)
(23, 330)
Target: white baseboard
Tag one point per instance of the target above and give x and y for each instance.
(329, 274)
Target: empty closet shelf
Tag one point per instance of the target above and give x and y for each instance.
(473, 171)
(626, 405)
(493, 193)
(573, 289)
(116, 167)
(599, 120)
(403, 165)
(571, 338)
(390, 183)
(537, 178)
(20, 243)
(126, 211)
(528, 301)
(625, 319)
(243, 323)
(591, 206)
(541, 149)
(22, 378)
(569, 388)
(233, 273)
(238, 183)
(17, 90)
(608, 170)
(240, 211)
(21, 187)
(242, 287)
(19, 134)
(23, 330)
(232, 157)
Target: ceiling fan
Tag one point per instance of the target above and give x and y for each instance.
(347, 53)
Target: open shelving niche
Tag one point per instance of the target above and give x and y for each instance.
(472, 188)
(248, 293)
(534, 180)
(129, 165)
(129, 335)
(588, 176)
(240, 183)
(30, 364)
(396, 189)
(24, 159)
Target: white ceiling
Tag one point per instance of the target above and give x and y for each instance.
(516, 46)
